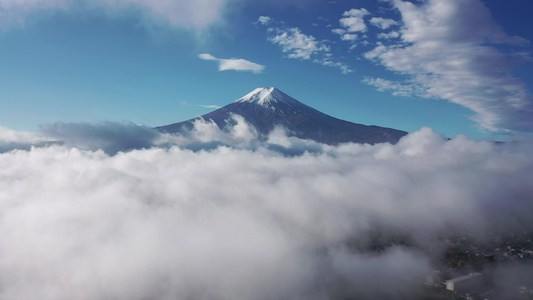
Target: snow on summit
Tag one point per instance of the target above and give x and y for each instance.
(265, 96)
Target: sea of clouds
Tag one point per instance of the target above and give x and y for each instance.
(120, 211)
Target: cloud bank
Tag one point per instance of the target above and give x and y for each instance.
(110, 137)
(11, 139)
(245, 222)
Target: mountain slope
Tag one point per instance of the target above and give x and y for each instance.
(266, 108)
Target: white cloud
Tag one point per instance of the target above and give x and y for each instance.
(389, 35)
(447, 52)
(345, 36)
(239, 65)
(11, 139)
(338, 31)
(197, 15)
(353, 24)
(20, 6)
(235, 64)
(206, 133)
(353, 20)
(383, 23)
(349, 37)
(206, 56)
(359, 13)
(11, 136)
(396, 88)
(264, 20)
(451, 21)
(15, 12)
(202, 105)
(193, 14)
(345, 69)
(174, 223)
(298, 44)
(209, 106)
(376, 52)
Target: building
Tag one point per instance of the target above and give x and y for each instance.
(437, 278)
(465, 284)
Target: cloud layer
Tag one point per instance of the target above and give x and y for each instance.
(107, 136)
(245, 222)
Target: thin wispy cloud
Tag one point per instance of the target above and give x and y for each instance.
(299, 45)
(396, 88)
(349, 37)
(389, 35)
(383, 23)
(457, 61)
(197, 15)
(344, 35)
(201, 105)
(193, 14)
(234, 64)
(264, 20)
(209, 106)
(14, 13)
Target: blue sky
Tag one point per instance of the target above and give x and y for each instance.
(458, 66)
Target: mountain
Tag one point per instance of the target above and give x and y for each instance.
(266, 108)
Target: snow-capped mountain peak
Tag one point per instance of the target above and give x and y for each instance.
(265, 96)
(266, 108)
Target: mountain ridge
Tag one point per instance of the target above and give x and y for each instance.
(266, 108)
